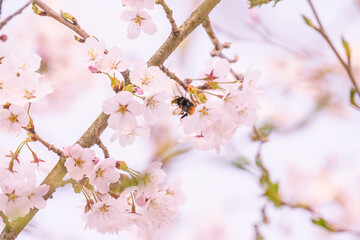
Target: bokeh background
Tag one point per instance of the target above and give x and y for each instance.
(313, 152)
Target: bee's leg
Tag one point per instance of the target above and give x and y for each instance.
(185, 115)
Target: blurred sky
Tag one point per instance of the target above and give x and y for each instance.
(222, 202)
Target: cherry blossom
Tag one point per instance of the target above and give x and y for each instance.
(14, 200)
(149, 78)
(155, 106)
(103, 174)
(13, 119)
(139, 4)
(123, 109)
(160, 212)
(27, 89)
(112, 62)
(139, 20)
(36, 196)
(173, 191)
(216, 70)
(79, 161)
(126, 135)
(93, 50)
(149, 179)
(26, 63)
(204, 116)
(106, 217)
(6, 72)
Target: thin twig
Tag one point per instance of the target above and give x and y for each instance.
(1, 3)
(49, 146)
(218, 46)
(103, 148)
(51, 13)
(169, 15)
(6, 20)
(210, 32)
(280, 201)
(322, 32)
(316, 215)
(173, 77)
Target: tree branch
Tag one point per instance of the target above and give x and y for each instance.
(6, 20)
(195, 19)
(91, 136)
(51, 13)
(218, 46)
(49, 146)
(173, 77)
(322, 32)
(103, 148)
(169, 15)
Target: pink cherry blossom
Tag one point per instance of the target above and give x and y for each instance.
(204, 116)
(103, 174)
(36, 196)
(79, 162)
(173, 191)
(14, 200)
(27, 63)
(106, 217)
(139, 20)
(27, 88)
(149, 179)
(123, 110)
(13, 119)
(149, 78)
(155, 107)
(216, 71)
(139, 4)
(112, 62)
(126, 135)
(93, 50)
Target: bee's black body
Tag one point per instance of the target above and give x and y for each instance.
(185, 105)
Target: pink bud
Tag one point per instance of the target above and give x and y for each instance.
(3, 38)
(96, 160)
(94, 69)
(139, 91)
(140, 201)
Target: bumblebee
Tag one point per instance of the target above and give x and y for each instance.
(186, 107)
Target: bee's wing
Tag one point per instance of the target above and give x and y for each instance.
(177, 111)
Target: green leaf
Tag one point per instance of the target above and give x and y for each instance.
(69, 17)
(353, 102)
(272, 193)
(254, 3)
(241, 163)
(309, 22)
(346, 47)
(37, 11)
(124, 182)
(262, 133)
(323, 223)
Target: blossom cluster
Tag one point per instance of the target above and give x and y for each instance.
(139, 18)
(138, 105)
(215, 109)
(233, 104)
(19, 192)
(115, 201)
(20, 85)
